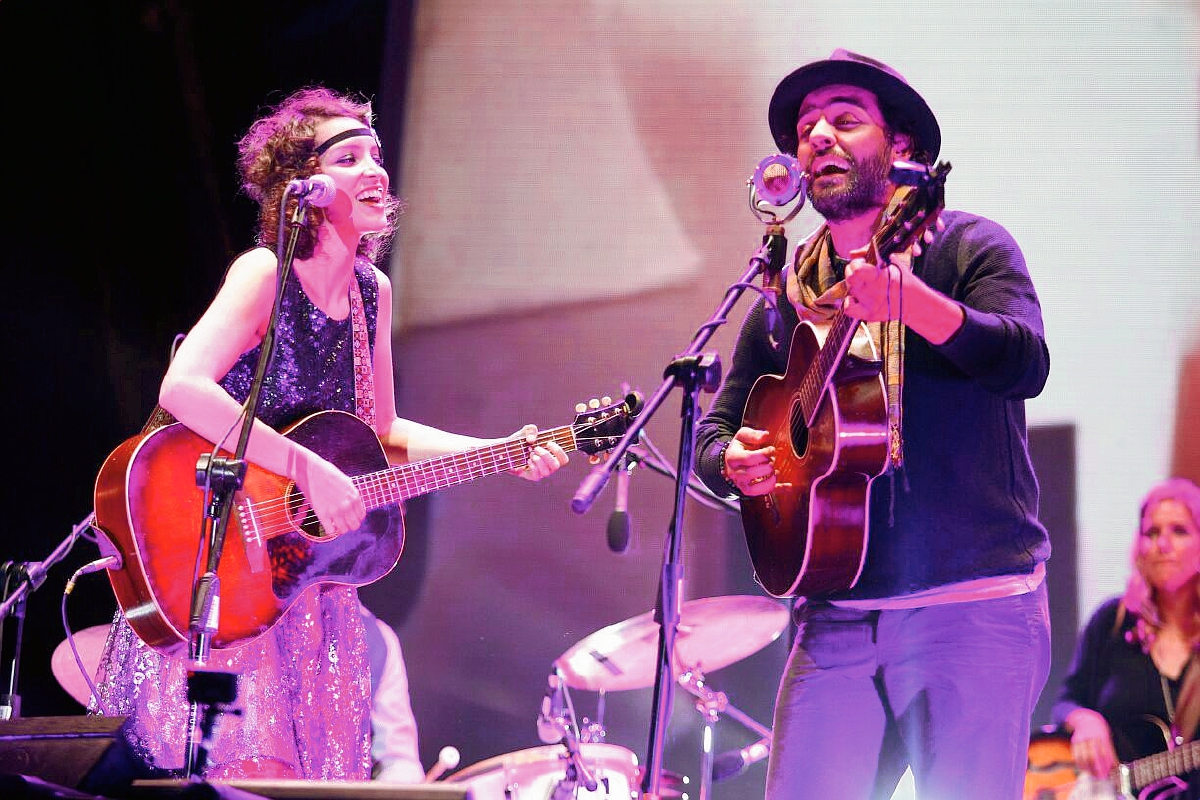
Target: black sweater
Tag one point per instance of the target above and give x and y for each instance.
(965, 503)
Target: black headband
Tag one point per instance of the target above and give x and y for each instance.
(332, 140)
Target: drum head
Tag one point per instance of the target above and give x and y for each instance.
(532, 774)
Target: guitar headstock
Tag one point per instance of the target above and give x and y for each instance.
(600, 423)
(917, 212)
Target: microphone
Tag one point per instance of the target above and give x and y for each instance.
(618, 520)
(447, 759)
(734, 762)
(319, 190)
(779, 179)
(551, 721)
(108, 562)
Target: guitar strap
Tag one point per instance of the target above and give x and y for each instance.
(1185, 716)
(364, 380)
(364, 374)
(1187, 707)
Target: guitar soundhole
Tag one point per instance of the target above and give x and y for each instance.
(798, 429)
(301, 515)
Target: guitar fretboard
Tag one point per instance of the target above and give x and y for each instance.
(905, 225)
(399, 483)
(1170, 763)
(816, 379)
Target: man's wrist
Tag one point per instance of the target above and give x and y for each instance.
(725, 469)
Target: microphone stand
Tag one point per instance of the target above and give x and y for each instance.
(693, 371)
(210, 691)
(19, 580)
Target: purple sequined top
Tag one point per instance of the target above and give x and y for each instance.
(313, 366)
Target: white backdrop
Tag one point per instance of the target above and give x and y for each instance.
(576, 178)
(557, 153)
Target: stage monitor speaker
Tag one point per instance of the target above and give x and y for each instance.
(75, 752)
(160, 789)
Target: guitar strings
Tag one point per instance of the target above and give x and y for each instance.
(275, 516)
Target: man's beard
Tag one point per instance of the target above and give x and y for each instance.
(864, 190)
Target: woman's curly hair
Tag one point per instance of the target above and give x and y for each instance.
(280, 147)
(1140, 596)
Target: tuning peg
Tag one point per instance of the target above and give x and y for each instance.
(580, 408)
(606, 400)
(593, 403)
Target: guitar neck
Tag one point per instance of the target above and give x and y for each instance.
(820, 373)
(1169, 763)
(902, 224)
(399, 483)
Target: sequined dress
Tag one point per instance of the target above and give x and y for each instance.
(305, 685)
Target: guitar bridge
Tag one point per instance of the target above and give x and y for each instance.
(252, 538)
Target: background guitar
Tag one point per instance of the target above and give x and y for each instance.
(1052, 774)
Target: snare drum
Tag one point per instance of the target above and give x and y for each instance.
(533, 774)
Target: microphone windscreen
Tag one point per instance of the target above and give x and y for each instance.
(324, 191)
(728, 764)
(618, 531)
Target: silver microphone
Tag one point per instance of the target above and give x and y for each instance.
(779, 179)
(319, 190)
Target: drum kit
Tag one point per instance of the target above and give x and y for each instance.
(713, 633)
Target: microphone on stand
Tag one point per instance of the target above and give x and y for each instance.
(447, 759)
(734, 762)
(552, 725)
(779, 179)
(319, 190)
(618, 521)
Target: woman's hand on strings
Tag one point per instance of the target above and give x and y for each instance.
(544, 459)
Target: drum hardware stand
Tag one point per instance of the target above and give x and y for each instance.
(695, 371)
(211, 693)
(576, 774)
(557, 718)
(593, 731)
(711, 704)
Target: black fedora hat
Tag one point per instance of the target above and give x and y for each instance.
(904, 108)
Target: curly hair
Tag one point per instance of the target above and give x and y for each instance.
(1139, 596)
(279, 147)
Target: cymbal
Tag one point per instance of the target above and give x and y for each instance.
(90, 642)
(713, 632)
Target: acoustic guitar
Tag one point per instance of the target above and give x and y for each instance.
(828, 415)
(149, 504)
(1052, 774)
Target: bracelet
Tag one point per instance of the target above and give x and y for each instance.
(724, 470)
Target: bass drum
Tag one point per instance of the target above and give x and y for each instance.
(536, 774)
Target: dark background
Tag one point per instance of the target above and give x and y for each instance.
(123, 211)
